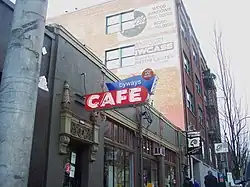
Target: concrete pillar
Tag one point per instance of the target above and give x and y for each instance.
(161, 169)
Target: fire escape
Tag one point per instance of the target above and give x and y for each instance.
(213, 125)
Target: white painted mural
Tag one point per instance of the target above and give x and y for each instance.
(151, 20)
(157, 52)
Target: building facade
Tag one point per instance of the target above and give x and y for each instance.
(131, 35)
(76, 148)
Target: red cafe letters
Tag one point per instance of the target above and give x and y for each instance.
(116, 98)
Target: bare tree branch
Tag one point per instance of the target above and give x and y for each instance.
(233, 116)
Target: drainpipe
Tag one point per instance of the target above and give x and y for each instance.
(140, 146)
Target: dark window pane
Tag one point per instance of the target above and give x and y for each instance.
(109, 156)
(108, 130)
(131, 140)
(119, 168)
(128, 169)
(121, 135)
(116, 133)
(149, 172)
(126, 138)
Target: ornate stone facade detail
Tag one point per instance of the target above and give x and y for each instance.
(72, 127)
(63, 144)
(66, 101)
(94, 117)
(103, 116)
(94, 149)
(96, 128)
(81, 132)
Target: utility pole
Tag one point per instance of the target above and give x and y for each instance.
(18, 91)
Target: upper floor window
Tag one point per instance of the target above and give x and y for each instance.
(197, 84)
(119, 134)
(148, 146)
(189, 100)
(187, 64)
(195, 56)
(119, 22)
(200, 115)
(120, 57)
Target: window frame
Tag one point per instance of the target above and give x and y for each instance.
(119, 164)
(121, 57)
(195, 56)
(190, 101)
(186, 63)
(120, 23)
(198, 85)
(200, 115)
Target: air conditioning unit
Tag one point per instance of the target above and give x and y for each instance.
(159, 151)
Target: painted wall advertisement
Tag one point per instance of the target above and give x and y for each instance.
(156, 45)
(158, 52)
(156, 18)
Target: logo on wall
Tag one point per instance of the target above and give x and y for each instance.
(147, 74)
(140, 23)
(194, 143)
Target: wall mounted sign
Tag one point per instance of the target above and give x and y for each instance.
(147, 74)
(116, 98)
(194, 143)
(148, 80)
(221, 147)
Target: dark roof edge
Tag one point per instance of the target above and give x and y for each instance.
(9, 3)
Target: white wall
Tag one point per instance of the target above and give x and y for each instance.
(203, 170)
(200, 170)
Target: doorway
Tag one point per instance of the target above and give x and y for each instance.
(76, 167)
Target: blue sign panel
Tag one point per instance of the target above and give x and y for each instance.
(134, 81)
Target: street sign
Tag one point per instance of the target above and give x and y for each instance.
(221, 148)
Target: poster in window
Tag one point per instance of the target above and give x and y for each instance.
(72, 172)
(73, 158)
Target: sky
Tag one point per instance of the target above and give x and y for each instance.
(232, 18)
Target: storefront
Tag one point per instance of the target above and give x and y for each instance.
(170, 169)
(119, 155)
(150, 164)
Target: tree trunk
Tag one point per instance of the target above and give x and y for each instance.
(18, 92)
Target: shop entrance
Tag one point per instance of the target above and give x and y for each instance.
(150, 173)
(77, 164)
